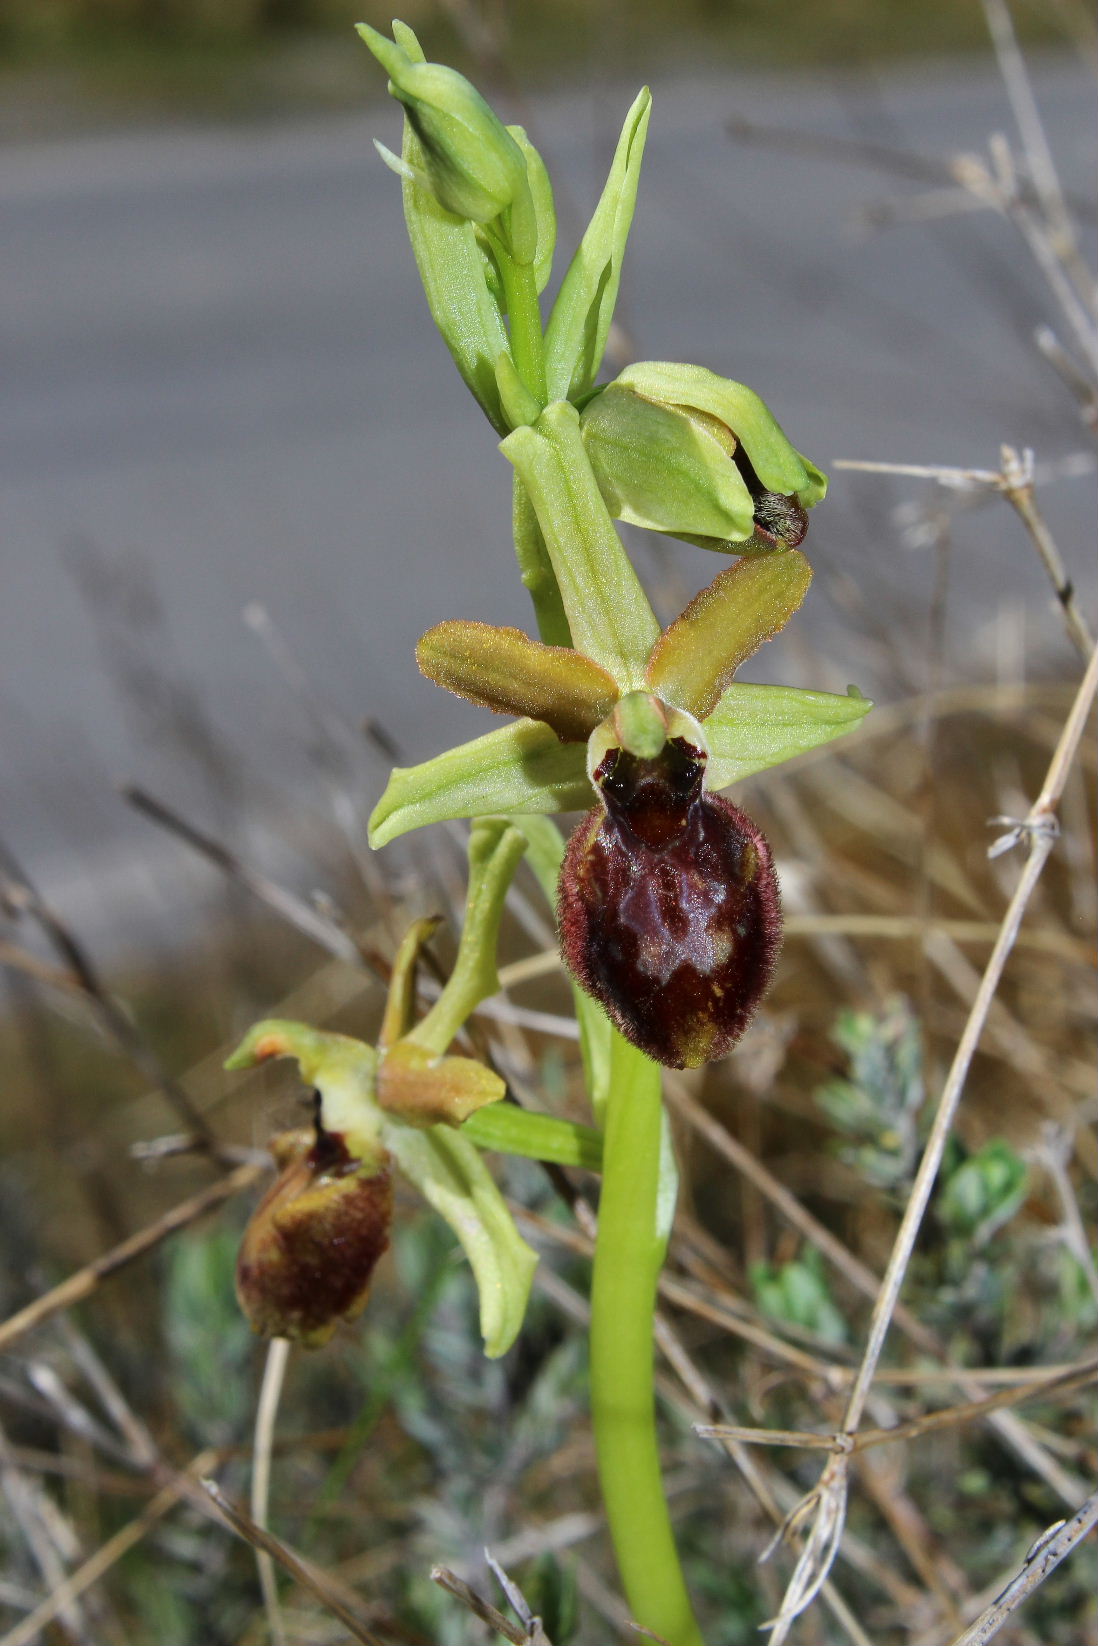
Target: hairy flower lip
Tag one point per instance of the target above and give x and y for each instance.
(323, 1201)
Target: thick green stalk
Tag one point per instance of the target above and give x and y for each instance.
(629, 1252)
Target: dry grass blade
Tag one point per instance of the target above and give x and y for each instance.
(108, 1553)
(293, 909)
(531, 1635)
(86, 1280)
(1045, 1555)
(19, 895)
(326, 1588)
(1040, 830)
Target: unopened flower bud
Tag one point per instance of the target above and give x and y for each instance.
(471, 163)
(312, 1244)
(678, 449)
(668, 907)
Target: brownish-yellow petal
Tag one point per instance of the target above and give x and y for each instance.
(424, 1090)
(400, 1004)
(695, 658)
(505, 670)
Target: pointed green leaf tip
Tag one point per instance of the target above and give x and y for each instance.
(579, 325)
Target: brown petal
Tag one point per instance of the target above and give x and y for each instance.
(505, 670)
(424, 1090)
(695, 658)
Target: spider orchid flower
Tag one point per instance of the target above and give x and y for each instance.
(668, 905)
(311, 1247)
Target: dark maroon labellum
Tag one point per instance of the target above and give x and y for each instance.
(311, 1245)
(669, 909)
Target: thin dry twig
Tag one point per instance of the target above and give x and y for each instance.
(1050, 1549)
(827, 1504)
(85, 1281)
(324, 1585)
(529, 1633)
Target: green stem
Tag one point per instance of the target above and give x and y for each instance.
(537, 570)
(524, 314)
(629, 1252)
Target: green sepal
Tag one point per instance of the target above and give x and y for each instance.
(661, 469)
(746, 604)
(754, 727)
(575, 337)
(779, 466)
(507, 1129)
(608, 611)
(341, 1069)
(495, 850)
(447, 1170)
(545, 216)
(504, 670)
(522, 767)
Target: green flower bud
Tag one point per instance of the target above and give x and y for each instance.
(472, 165)
(680, 450)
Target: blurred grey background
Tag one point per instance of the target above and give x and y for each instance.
(223, 390)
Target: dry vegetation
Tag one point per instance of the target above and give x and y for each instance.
(921, 1013)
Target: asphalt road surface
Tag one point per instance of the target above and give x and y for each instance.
(221, 387)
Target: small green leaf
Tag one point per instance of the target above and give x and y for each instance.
(523, 767)
(779, 466)
(754, 727)
(608, 611)
(748, 603)
(984, 1192)
(519, 405)
(505, 670)
(545, 216)
(447, 1170)
(401, 999)
(580, 322)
